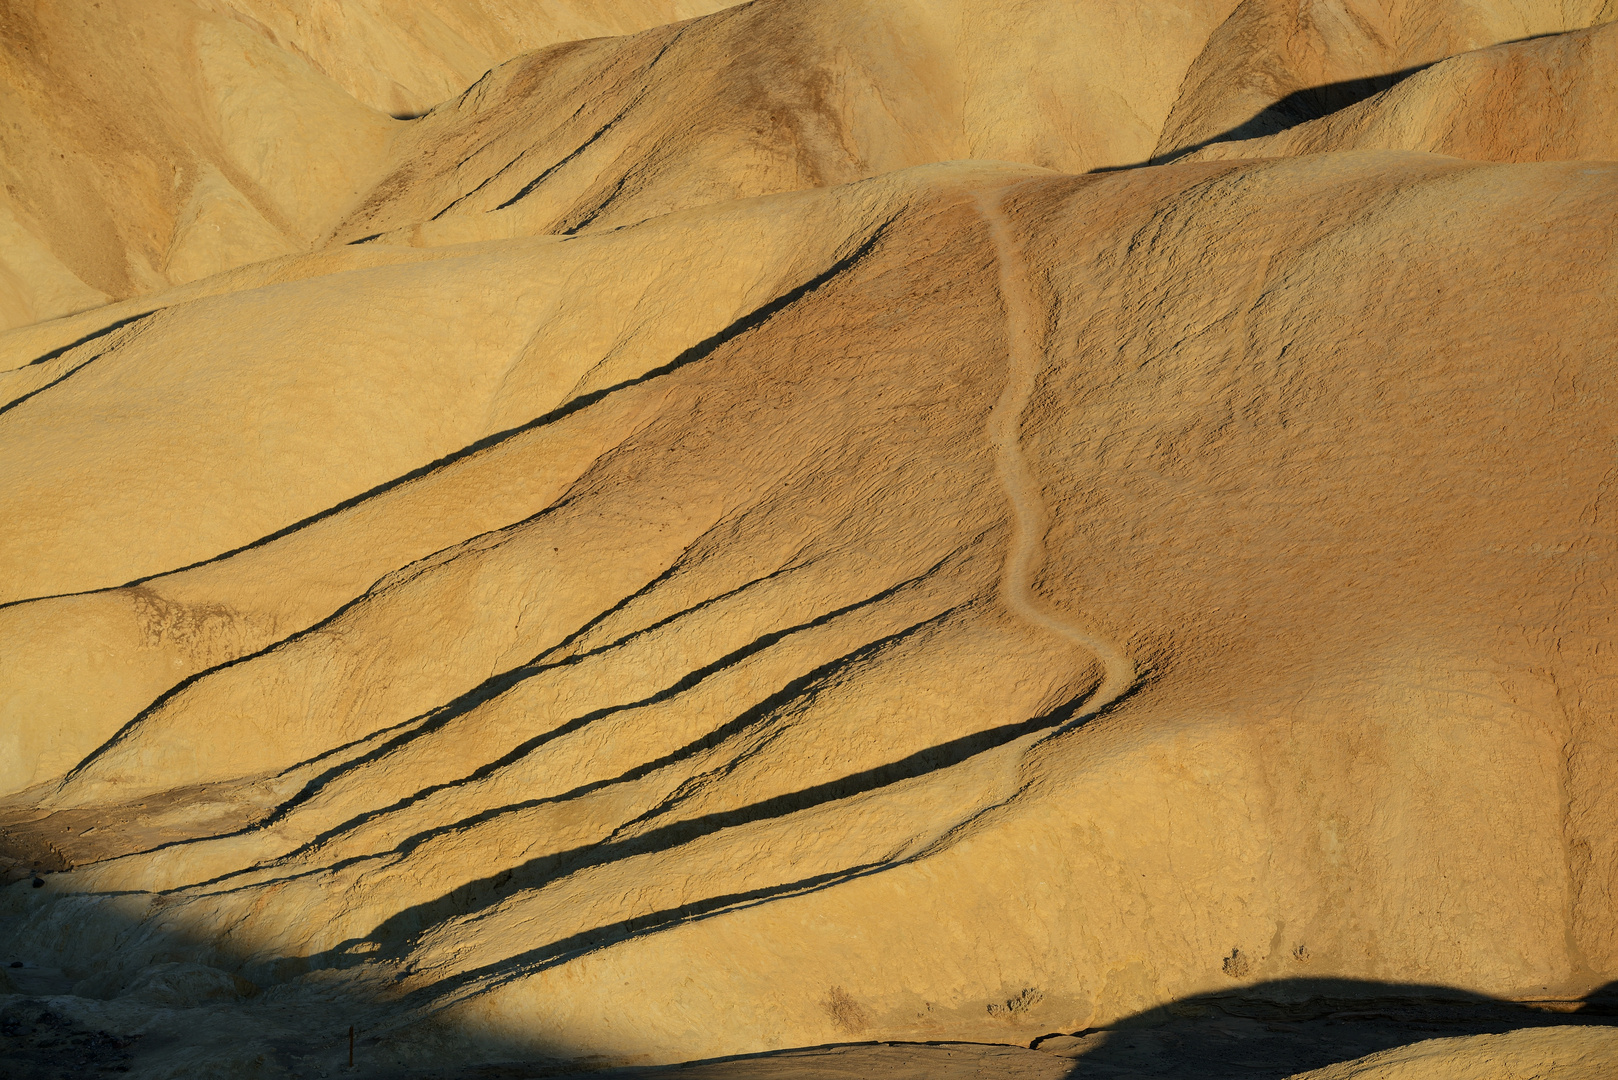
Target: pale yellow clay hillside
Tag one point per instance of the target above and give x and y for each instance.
(155, 141)
(152, 142)
(1586, 1053)
(665, 558)
(773, 96)
(1548, 99)
(405, 57)
(159, 142)
(1275, 63)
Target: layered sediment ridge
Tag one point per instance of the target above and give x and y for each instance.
(669, 572)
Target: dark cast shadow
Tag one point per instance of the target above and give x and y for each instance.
(1266, 1031)
(1298, 107)
(1271, 1030)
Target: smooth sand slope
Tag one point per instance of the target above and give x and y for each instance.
(741, 686)
(152, 142)
(770, 97)
(1547, 99)
(1565, 1053)
(149, 142)
(971, 602)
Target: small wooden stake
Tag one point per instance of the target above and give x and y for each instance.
(351, 1046)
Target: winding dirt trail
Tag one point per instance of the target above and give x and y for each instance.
(1026, 359)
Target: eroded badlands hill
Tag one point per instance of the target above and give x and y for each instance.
(150, 142)
(155, 142)
(665, 596)
(1546, 99)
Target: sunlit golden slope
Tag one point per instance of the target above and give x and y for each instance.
(771, 97)
(776, 96)
(719, 664)
(1568, 1053)
(1549, 99)
(650, 562)
(146, 142)
(160, 141)
(1276, 63)
(403, 58)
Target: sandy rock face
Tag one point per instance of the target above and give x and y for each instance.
(405, 58)
(1546, 99)
(150, 142)
(155, 142)
(1575, 1053)
(158, 142)
(681, 566)
(770, 97)
(1275, 63)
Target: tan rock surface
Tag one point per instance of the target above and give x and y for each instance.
(147, 142)
(775, 96)
(1548, 99)
(674, 691)
(156, 142)
(406, 58)
(167, 140)
(1565, 1053)
(963, 604)
(1275, 63)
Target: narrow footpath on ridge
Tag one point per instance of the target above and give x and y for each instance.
(1026, 359)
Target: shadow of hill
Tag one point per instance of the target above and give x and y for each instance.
(1268, 1031)
(1272, 1030)
(114, 949)
(1302, 106)
(1298, 107)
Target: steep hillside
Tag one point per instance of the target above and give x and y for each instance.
(153, 142)
(149, 142)
(801, 529)
(405, 58)
(1276, 63)
(1549, 99)
(773, 96)
(752, 618)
